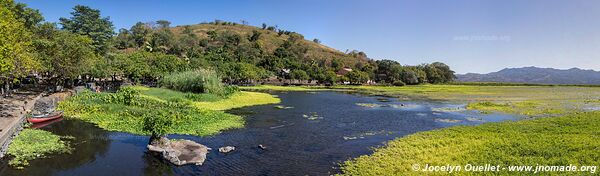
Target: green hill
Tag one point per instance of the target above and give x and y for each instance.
(270, 40)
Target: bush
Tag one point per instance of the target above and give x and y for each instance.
(157, 123)
(398, 83)
(125, 95)
(196, 81)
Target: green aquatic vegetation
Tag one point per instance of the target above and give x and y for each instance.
(448, 109)
(365, 134)
(238, 100)
(529, 108)
(555, 141)
(369, 105)
(188, 116)
(487, 107)
(592, 101)
(31, 144)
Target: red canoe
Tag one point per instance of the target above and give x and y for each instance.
(44, 117)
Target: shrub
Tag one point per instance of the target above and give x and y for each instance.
(125, 95)
(196, 81)
(157, 123)
(398, 83)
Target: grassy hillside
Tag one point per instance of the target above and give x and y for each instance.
(271, 40)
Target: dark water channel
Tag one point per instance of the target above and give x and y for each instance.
(311, 134)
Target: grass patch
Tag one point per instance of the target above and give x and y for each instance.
(192, 114)
(31, 144)
(529, 108)
(571, 139)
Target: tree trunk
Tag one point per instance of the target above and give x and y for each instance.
(7, 87)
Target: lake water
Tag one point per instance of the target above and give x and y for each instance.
(310, 134)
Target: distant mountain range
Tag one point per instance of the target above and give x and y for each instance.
(535, 75)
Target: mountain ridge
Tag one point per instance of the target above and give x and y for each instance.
(535, 75)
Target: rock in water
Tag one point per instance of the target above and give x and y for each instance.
(262, 147)
(180, 152)
(226, 149)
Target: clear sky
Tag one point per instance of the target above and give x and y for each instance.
(477, 36)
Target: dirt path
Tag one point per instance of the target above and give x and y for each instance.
(12, 115)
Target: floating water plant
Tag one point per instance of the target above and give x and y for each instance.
(31, 144)
(369, 105)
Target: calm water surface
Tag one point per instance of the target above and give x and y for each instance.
(311, 137)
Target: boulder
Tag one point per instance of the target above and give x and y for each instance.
(179, 152)
(226, 149)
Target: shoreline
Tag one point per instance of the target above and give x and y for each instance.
(11, 126)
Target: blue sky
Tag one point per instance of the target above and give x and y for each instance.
(477, 36)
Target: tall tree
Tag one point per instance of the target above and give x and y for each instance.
(124, 40)
(87, 21)
(15, 46)
(68, 55)
(30, 17)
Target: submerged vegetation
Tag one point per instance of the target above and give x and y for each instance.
(32, 144)
(186, 114)
(556, 141)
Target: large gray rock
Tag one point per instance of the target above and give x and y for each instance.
(180, 152)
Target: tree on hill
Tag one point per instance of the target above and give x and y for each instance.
(140, 33)
(87, 21)
(163, 24)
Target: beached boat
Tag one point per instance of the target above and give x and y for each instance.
(45, 117)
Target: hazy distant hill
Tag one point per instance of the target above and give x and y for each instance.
(535, 75)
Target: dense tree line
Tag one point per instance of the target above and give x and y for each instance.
(86, 46)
